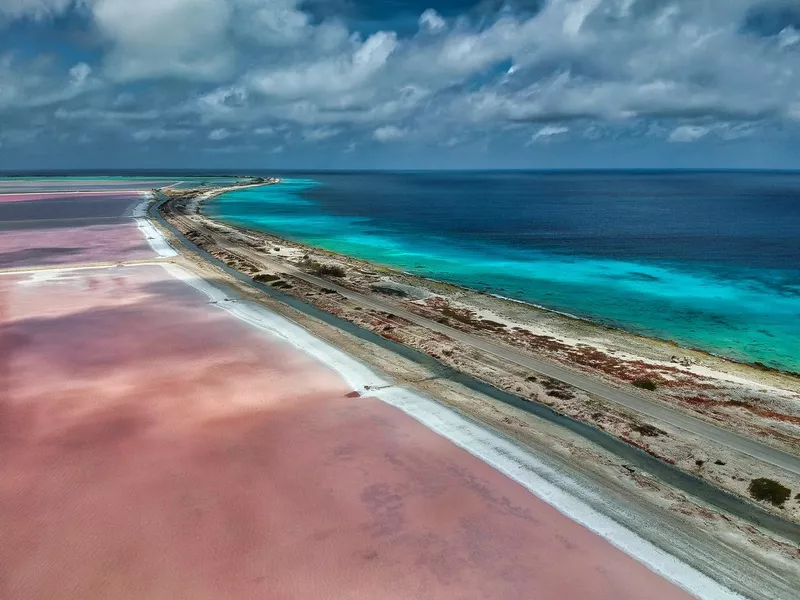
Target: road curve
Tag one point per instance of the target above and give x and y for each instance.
(592, 385)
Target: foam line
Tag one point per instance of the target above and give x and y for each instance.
(153, 236)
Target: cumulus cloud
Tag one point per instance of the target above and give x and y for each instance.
(160, 133)
(389, 133)
(321, 133)
(164, 38)
(688, 133)
(431, 21)
(335, 75)
(33, 9)
(219, 134)
(79, 74)
(695, 67)
(549, 131)
(223, 100)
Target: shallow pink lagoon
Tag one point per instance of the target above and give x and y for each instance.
(61, 246)
(33, 197)
(152, 446)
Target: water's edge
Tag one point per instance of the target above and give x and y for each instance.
(694, 486)
(529, 305)
(749, 321)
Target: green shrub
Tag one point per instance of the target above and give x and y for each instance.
(330, 270)
(648, 430)
(321, 269)
(770, 491)
(646, 384)
(389, 291)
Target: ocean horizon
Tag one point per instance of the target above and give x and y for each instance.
(707, 259)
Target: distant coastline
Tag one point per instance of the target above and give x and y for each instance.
(205, 202)
(755, 402)
(647, 301)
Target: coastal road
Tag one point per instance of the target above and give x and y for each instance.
(635, 402)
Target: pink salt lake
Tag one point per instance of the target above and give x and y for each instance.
(152, 446)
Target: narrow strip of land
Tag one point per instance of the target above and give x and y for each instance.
(81, 266)
(592, 385)
(635, 402)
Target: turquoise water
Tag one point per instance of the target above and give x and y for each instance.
(724, 291)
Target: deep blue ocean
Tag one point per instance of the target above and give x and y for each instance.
(707, 259)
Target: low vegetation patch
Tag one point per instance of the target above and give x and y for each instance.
(768, 490)
(648, 430)
(646, 384)
(389, 291)
(458, 316)
(265, 278)
(322, 269)
(493, 324)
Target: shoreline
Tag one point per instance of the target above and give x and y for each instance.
(572, 330)
(433, 377)
(626, 487)
(582, 341)
(201, 201)
(681, 346)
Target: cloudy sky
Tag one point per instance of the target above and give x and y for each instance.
(399, 83)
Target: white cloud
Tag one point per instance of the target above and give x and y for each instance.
(160, 133)
(549, 131)
(223, 99)
(335, 75)
(79, 74)
(36, 83)
(789, 37)
(164, 38)
(219, 134)
(321, 133)
(594, 66)
(389, 133)
(431, 21)
(688, 133)
(33, 9)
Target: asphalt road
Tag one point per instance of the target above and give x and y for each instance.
(635, 402)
